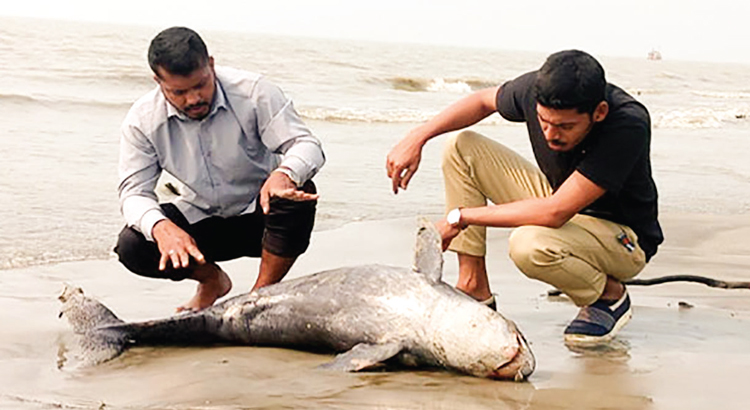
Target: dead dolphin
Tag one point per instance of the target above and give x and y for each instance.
(371, 313)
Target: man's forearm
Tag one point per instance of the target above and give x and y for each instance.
(534, 211)
(461, 114)
(575, 194)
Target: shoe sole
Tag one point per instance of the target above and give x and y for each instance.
(586, 340)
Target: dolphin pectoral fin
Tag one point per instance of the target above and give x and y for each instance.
(363, 356)
(428, 252)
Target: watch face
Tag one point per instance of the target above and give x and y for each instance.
(454, 217)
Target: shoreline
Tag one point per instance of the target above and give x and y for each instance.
(665, 351)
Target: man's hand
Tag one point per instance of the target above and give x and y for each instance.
(280, 185)
(175, 245)
(403, 161)
(447, 232)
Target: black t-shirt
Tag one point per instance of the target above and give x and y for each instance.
(614, 155)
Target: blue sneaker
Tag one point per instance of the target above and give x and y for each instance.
(599, 322)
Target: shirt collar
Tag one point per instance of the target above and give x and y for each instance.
(220, 101)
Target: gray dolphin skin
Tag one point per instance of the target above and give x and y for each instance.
(369, 314)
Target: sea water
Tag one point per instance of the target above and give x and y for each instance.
(65, 88)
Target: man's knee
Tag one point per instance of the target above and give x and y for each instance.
(134, 251)
(530, 249)
(141, 256)
(457, 144)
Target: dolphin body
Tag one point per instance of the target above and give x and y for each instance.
(368, 314)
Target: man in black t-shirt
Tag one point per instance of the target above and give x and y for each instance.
(585, 218)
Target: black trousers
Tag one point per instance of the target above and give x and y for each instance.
(285, 232)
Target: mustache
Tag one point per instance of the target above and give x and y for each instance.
(198, 105)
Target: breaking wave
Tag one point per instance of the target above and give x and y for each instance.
(701, 117)
(63, 100)
(377, 116)
(695, 118)
(358, 115)
(449, 85)
(723, 95)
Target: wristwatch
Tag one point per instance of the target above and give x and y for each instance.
(454, 218)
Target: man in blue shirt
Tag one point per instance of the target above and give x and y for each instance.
(244, 160)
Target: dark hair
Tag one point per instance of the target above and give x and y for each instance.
(177, 50)
(570, 79)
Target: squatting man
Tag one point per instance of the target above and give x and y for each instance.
(585, 218)
(244, 159)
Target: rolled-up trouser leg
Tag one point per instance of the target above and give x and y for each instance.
(477, 169)
(289, 224)
(577, 257)
(285, 232)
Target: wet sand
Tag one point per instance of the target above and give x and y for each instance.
(669, 356)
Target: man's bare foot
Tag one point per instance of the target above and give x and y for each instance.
(213, 283)
(472, 277)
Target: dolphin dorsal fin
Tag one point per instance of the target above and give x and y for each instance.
(428, 252)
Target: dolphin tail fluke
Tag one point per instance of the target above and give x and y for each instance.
(100, 339)
(363, 356)
(428, 252)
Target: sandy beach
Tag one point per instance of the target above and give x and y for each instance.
(669, 356)
(70, 84)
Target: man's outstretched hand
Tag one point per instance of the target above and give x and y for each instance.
(280, 185)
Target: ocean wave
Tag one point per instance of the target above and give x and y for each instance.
(671, 75)
(117, 75)
(701, 118)
(687, 119)
(66, 100)
(125, 77)
(47, 258)
(17, 98)
(724, 95)
(357, 115)
(450, 85)
(376, 116)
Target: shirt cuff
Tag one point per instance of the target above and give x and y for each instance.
(300, 170)
(148, 220)
(288, 172)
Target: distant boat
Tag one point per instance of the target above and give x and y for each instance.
(654, 55)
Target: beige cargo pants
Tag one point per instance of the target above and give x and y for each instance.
(575, 258)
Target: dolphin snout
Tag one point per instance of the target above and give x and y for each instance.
(522, 364)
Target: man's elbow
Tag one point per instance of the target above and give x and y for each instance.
(553, 223)
(557, 218)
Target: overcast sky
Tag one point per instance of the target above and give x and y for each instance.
(714, 30)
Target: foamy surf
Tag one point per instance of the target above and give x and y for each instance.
(696, 118)
(394, 116)
(440, 84)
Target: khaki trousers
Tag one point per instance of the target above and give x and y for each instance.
(575, 258)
